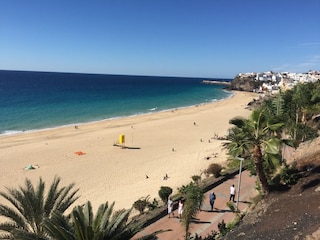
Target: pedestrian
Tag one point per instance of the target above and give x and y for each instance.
(170, 207)
(180, 209)
(232, 193)
(212, 198)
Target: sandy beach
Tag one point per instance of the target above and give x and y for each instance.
(110, 173)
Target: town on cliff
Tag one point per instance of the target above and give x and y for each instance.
(267, 82)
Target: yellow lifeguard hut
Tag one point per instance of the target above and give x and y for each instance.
(121, 139)
(120, 142)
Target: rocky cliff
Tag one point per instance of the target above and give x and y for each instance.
(246, 83)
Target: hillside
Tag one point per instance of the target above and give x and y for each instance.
(288, 214)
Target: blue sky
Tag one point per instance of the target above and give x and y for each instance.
(189, 38)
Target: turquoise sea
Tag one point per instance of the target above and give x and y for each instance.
(39, 100)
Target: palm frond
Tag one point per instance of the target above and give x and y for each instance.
(13, 214)
(52, 196)
(58, 227)
(238, 121)
(60, 199)
(28, 207)
(21, 234)
(101, 220)
(67, 198)
(107, 212)
(88, 214)
(79, 227)
(118, 223)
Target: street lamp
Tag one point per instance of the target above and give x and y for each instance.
(239, 181)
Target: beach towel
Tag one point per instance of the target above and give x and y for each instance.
(80, 153)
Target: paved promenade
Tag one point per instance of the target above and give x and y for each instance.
(206, 220)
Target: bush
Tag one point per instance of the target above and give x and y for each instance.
(211, 236)
(141, 204)
(231, 206)
(152, 205)
(287, 176)
(196, 178)
(164, 193)
(222, 228)
(214, 169)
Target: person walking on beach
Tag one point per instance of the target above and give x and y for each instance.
(212, 198)
(170, 207)
(180, 209)
(232, 193)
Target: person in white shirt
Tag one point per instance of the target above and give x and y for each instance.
(180, 209)
(170, 207)
(232, 193)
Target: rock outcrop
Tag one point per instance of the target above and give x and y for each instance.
(240, 83)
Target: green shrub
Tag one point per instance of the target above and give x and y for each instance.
(289, 175)
(164, 193)
(233, 224)
(211, 236)
(231, 206)
(141, 204)
(222, 228)
(196, 179)
(152, 205)
(183, 190)
(214, 169)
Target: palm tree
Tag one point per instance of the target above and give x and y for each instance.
(194, 198)
(29, 206)
(252, 138)
(301, 103)
(82, 224)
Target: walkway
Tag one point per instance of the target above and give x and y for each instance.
(207, 221)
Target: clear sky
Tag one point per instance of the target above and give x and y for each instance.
(189, 38)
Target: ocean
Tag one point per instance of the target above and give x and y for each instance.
(39, 100)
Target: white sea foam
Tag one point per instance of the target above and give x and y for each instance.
(10, 132)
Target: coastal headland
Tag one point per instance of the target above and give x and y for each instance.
(178, 143)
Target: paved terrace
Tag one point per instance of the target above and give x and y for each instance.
(206, 220)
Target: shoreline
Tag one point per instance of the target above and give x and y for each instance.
(17, 132)
(109, 173)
